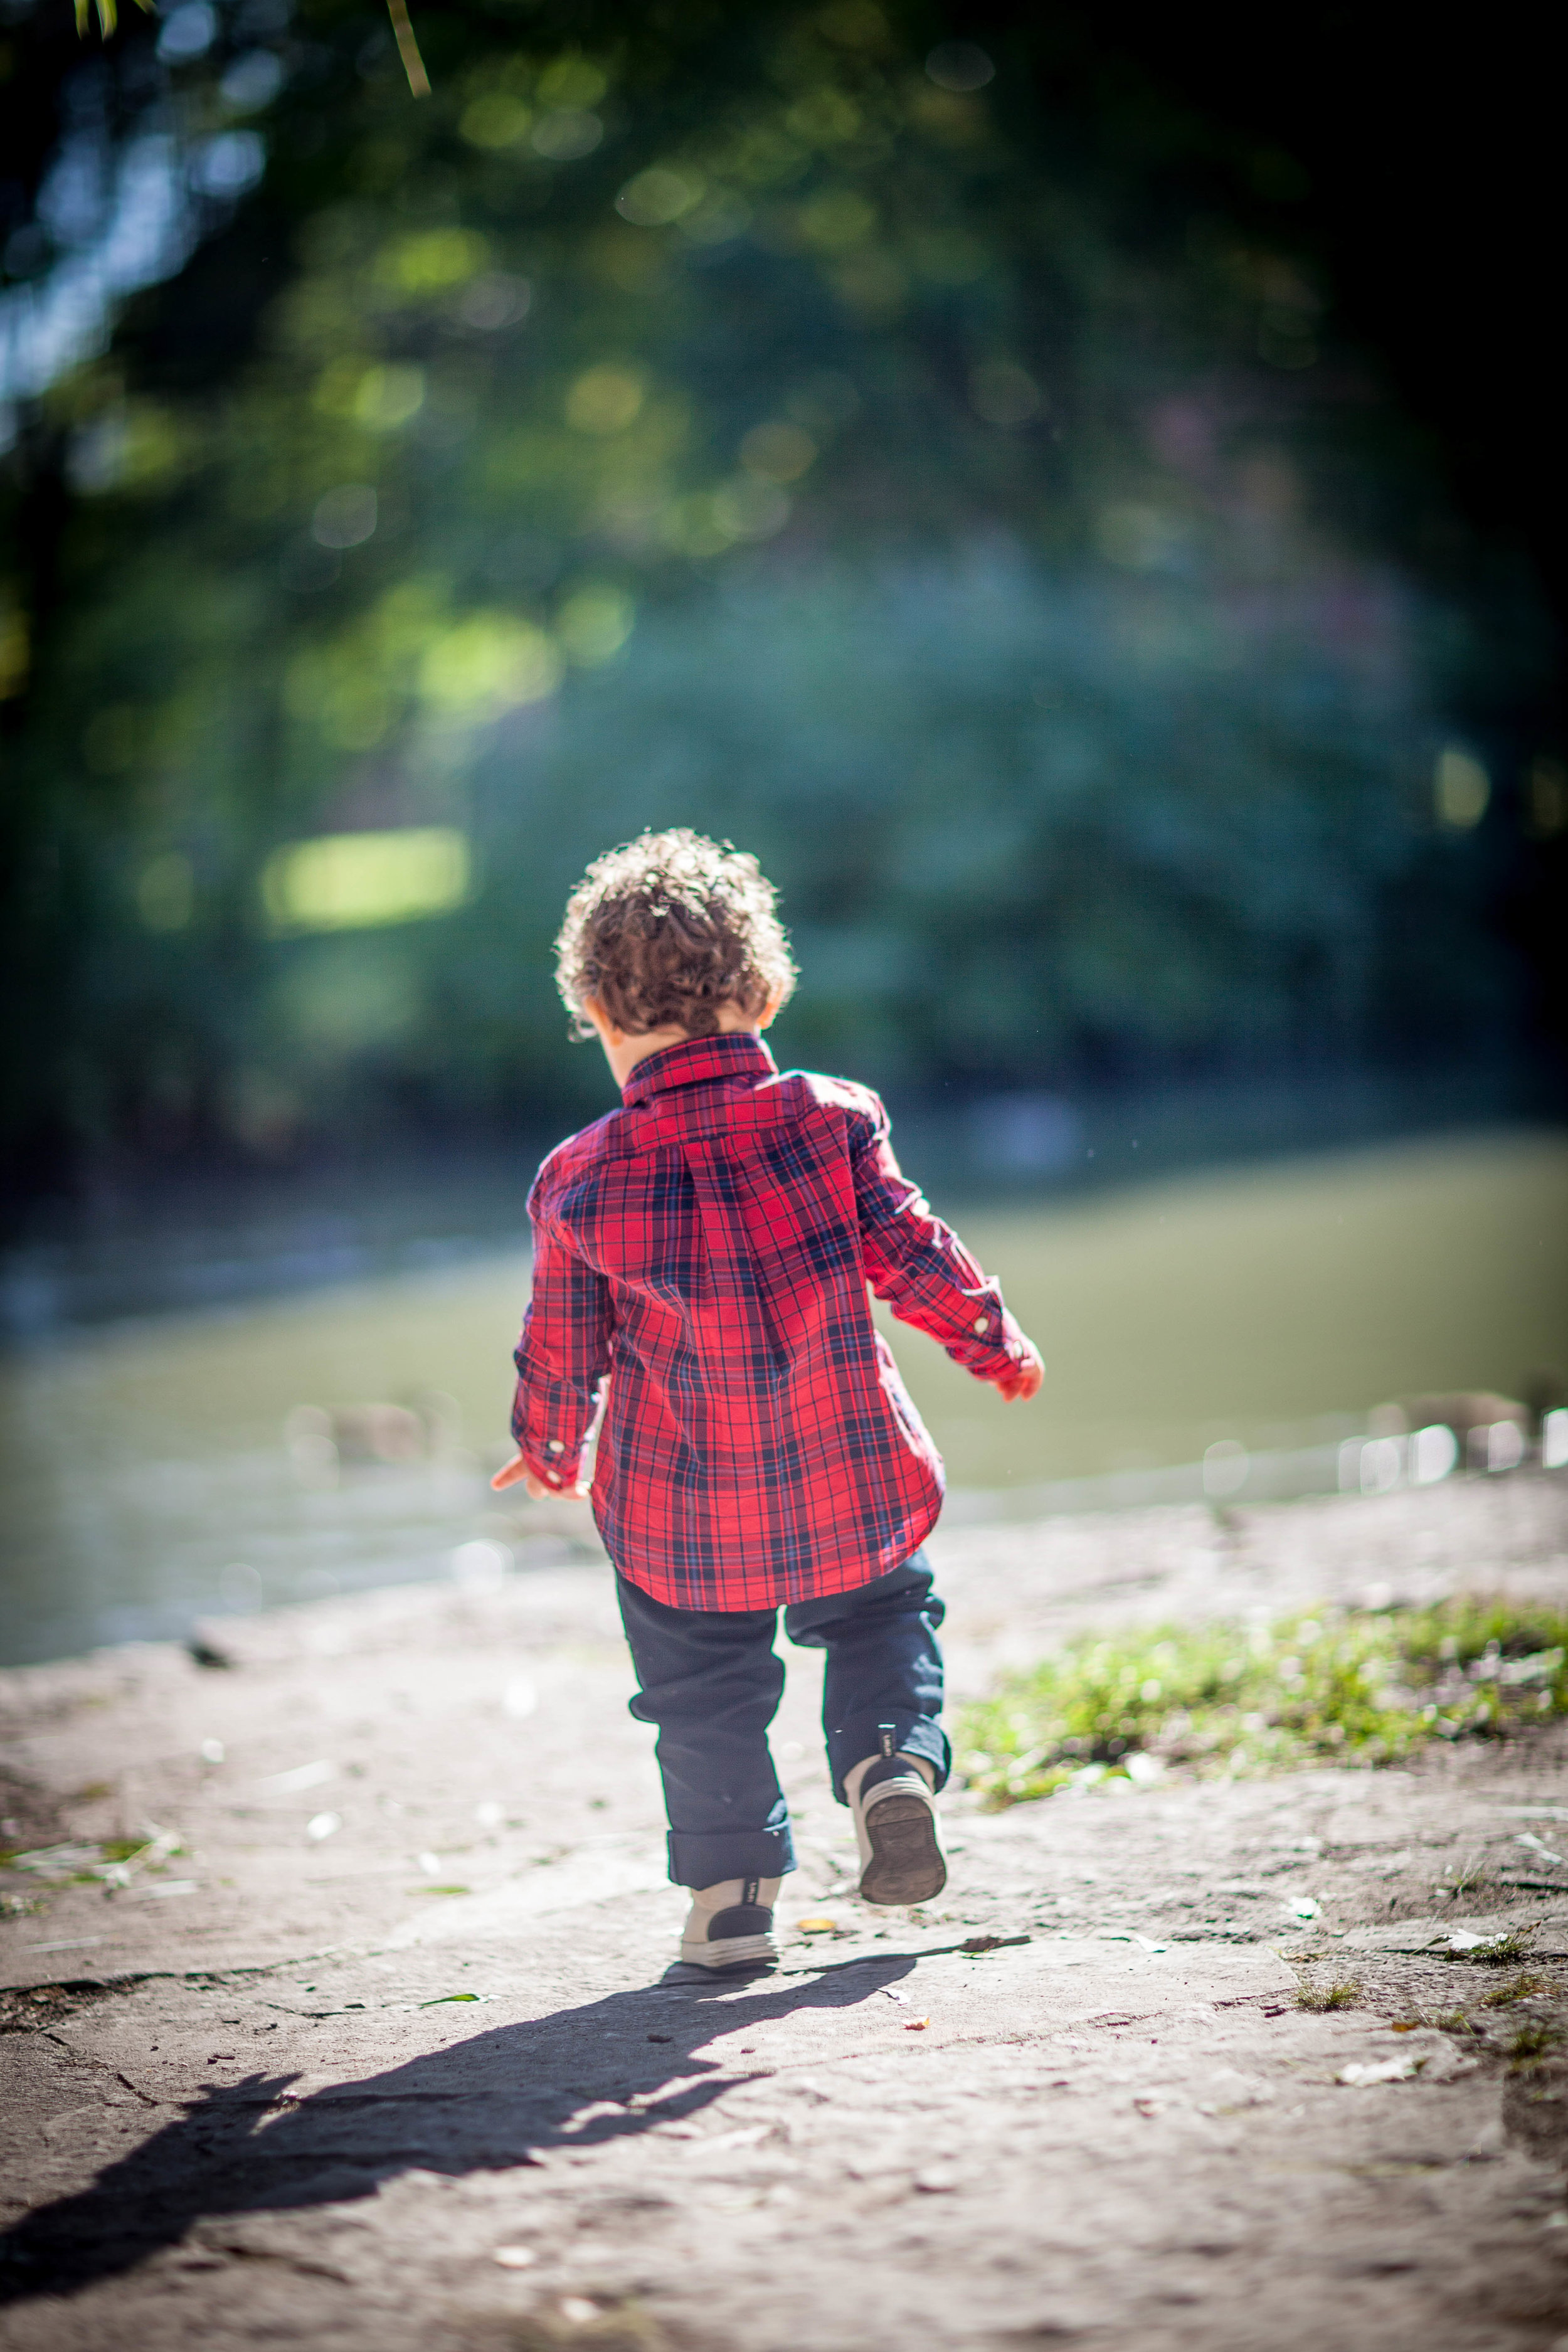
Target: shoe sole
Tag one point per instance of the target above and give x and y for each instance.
(906, 1864)
(732, 1952)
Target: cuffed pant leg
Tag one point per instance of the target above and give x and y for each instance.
(883, 1666)
(710, 1680)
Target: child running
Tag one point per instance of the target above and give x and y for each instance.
(706, 1250)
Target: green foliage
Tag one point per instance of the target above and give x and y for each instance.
(710, 417)
(1372, 1685)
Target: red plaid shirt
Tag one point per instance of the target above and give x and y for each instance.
(708, 1246)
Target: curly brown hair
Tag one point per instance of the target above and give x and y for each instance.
(665, 930)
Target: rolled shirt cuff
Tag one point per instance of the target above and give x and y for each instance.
(553, 1462)
(993, 1344)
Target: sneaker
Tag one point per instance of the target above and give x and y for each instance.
(731, 1926)
(894, 1809)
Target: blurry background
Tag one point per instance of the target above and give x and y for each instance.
(1077, 493)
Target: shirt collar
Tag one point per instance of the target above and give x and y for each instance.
(697, 1060)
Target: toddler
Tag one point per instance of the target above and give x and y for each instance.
(706, 1250)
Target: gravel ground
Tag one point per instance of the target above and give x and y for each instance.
(246, 2102)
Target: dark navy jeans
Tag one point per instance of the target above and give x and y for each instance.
(711, 1681)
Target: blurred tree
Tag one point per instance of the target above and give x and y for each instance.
(801, 423)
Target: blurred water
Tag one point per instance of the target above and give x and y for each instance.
(160, 1469)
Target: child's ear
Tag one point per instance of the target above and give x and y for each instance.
(764, 1019)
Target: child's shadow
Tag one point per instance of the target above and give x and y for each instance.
(484, 2103)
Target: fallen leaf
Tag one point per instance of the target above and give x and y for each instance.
(916, 2024)
(436, 2000)
(823, 1926)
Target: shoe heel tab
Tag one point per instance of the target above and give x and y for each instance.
(741, 1919)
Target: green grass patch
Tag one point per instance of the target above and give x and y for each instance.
(1371, 1684)
(1523, 1987)
(1464, 1880)
(1346, 1994)
(1533, 2042)
(1502, 1952)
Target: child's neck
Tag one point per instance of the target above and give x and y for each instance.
(624, 1050)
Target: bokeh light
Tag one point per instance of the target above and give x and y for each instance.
(350, 881)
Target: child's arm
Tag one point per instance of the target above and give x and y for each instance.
(561, 1358)
(926, 1275)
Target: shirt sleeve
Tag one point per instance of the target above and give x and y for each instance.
(921, 1269)
(561, 1358)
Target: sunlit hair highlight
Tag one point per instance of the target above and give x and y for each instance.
(665, 930)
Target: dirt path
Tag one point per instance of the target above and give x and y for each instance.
(395, 2006)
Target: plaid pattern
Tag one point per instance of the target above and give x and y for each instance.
(708, 1246)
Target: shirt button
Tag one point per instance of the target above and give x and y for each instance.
(556, 1447)
(983, 1323)
(555, 1477)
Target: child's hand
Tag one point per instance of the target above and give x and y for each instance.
(1022, 1378)
(517, 1472)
